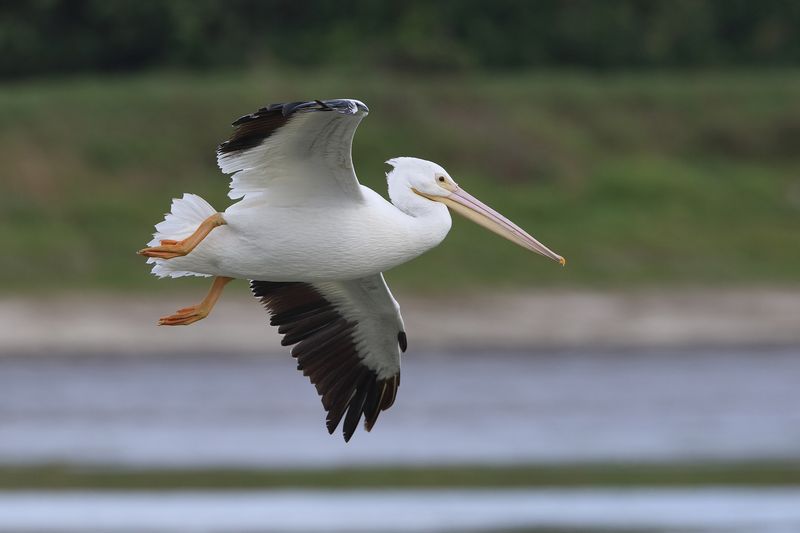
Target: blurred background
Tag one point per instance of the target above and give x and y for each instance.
(651, 385)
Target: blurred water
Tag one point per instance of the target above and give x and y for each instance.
(598, 510)
(227, 409)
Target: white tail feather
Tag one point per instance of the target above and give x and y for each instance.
(185, 215)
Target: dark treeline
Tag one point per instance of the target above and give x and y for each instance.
(60, 36)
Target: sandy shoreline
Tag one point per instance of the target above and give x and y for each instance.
(531, 318)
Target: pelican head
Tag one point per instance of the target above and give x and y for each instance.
(430, 181)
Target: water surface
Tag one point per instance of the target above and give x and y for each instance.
(707, 510)
(257, 410)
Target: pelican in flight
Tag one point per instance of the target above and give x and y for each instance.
(314, 243)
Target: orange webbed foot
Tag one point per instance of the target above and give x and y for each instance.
(171, 248)
(185, 316)
(189, 315)
(167, 250)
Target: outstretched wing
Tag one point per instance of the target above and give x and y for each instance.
(347, 338)
(299, 152)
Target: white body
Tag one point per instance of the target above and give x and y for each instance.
(312, 243)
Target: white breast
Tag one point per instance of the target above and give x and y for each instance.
(315, 243)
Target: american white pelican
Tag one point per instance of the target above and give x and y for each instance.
(314, 243)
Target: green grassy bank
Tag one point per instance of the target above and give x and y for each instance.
(636, 179)
(464, 476)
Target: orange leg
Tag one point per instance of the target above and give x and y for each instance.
(170, 248)
(190, 315)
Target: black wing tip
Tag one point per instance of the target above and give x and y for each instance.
(372, 396)
(345, 106)
(350, 392)
(253, 128)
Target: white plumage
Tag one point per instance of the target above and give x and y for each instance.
(314, 242)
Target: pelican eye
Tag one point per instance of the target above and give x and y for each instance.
(441, 179)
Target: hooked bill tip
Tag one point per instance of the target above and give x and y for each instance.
(562, 261)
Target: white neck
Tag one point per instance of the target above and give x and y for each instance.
(429, 221)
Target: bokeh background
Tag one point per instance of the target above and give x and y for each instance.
(651, 384)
